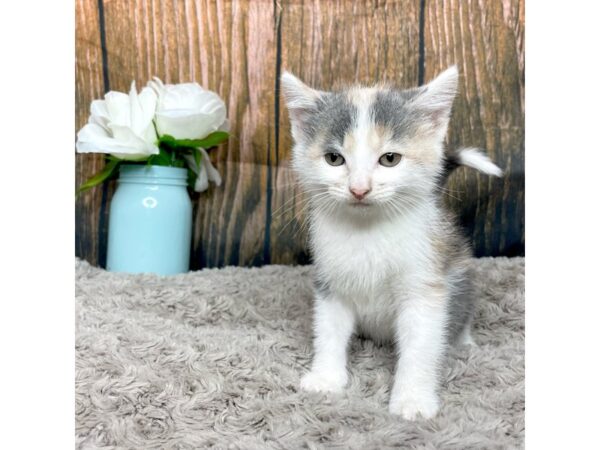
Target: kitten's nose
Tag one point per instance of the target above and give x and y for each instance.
(359, 194)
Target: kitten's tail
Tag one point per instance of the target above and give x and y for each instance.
(470, 157)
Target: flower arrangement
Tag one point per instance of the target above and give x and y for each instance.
(163, 125)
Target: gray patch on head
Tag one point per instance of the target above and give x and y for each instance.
(333, 118)
(391, 109)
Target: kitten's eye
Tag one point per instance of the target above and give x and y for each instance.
(334, 159)
(390, 159)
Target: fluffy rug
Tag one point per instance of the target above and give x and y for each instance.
(213, 359)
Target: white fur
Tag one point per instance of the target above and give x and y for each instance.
(465, 337)
(334, 324)
(300, 100)
(298, 94)
(377, 259)
(384, 286)
(474, 158)
(440, 91)
(437, 97)
(421, 342)
(361, 163)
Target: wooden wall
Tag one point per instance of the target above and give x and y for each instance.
(239, 48)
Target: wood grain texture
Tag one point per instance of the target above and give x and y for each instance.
(486, 41)
(228, 47)
(238, 48)
(89, 85)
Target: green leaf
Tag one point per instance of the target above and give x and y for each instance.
(101, 176)
(209, 141)
(163, 158)
(191, 179)
(197, 156)
(212, 139)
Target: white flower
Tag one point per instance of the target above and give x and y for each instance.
(121, 125)
(187, 111)
(204, 173)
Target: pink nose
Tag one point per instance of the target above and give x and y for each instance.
(359, 194)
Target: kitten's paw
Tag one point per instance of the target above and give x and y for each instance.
(324, 381)
(465, 339)
(411, 406)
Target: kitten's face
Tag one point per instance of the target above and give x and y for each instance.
(365, 149)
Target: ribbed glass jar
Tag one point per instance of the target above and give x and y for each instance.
(150, 222)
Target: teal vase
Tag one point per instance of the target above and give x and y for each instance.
(150, 222)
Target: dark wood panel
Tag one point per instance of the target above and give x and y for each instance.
(89, 85)
(228, 47)
(486, 41)
(330, 43)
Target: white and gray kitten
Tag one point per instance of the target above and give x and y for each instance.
(390, 263)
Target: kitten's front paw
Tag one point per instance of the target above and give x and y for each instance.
(324, 381)
(410, 405)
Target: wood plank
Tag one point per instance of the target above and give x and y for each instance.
(228, 47)
(486, 41)
(89, 85)
(328, 43)
(232, 48)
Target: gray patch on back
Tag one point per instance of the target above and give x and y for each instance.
(457, 255)
(321, 286)
(461, 307)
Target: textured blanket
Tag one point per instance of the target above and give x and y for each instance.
(213, 359)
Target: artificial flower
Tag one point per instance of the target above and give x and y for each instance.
(121, 125)
(188, 111)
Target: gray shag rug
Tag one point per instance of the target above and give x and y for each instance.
(213, 359)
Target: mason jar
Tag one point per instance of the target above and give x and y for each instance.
(150, 222)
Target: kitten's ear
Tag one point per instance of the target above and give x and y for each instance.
(300, 99)
(435, 98)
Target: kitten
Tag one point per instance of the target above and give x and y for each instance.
(390, 263)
